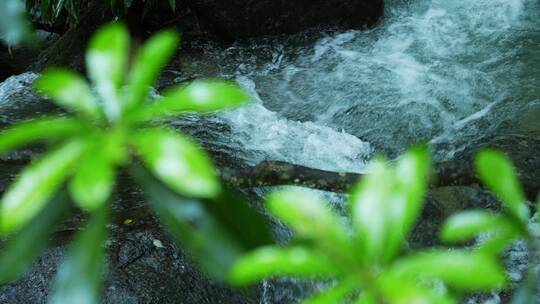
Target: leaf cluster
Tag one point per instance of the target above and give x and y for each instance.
(114, 124)
(364, 255)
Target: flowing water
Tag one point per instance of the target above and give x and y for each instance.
(450, 73)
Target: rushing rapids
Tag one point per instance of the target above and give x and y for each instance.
(450, 73)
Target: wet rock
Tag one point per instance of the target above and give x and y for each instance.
(15, 60)
(241, 18)
(443, 202)
(18, 100)
(144, 265)
(139, 272)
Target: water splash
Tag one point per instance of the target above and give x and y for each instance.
(447, 72)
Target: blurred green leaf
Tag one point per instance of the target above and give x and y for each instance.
(498, 173)
(93, 181)
(496, 242)
(411, 182)
(207, 240)
(68, 90)
(386, 203)
(79, 277)
(233, 210)
(469, 224)
(48, 128)
(397, 290)
(311, 217)
(36, 184)
(14, 26)
(366, 298)
(106, 61)
(24, 247)
(178, 162)
(198, 96)
(267, 262)
(335, 294)
(370, 202)
(150, 60)
(461, 269)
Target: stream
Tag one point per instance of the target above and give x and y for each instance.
(450, 73)
(454, 74)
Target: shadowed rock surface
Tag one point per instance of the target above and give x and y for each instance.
(144, 265)
(248, 18)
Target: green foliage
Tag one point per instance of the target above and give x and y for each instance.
(15, 27)
(499, 175)
(78, 279)
(24, 247)
(365, 256)
(214, 230)
(113, 127)
(498, 230)
(52, 9)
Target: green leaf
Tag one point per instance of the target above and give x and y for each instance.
(68, 90)
(48, 129)
(335, 294)
(370, 203)
(387, 203)
(78, 279)
(36, 184)
(366, 298)
(150, 60)
(93, 182)
(397, 290)
(311, 217)
(202, 235)
(178, 162)
(411, 182)
(461, 269)
(469, 224)
(198, 96)
(498, 173)
(106, 61)
(24, 247)
(496, 243)
(269, 262)
(235, 213)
